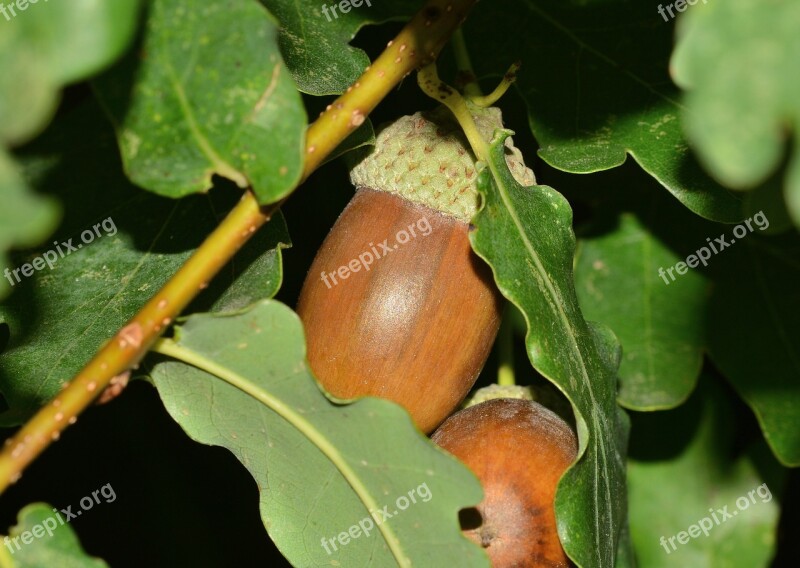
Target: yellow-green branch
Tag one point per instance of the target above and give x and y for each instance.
(418, 43)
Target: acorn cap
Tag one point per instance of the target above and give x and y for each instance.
(426, 158)
(492, 392)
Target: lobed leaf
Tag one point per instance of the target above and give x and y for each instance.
(50, 45)
(597, 89)
(25, 219)
(754, 334)
(42, 48)
(738, 64)
(683, 471)
(622, 280)
(309, 35)
(59, 548)
(207, 94)
(525, 234)
(57, 318)
(321, 467)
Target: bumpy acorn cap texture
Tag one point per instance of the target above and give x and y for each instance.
(426, 158)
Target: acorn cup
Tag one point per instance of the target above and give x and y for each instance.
(396, 304)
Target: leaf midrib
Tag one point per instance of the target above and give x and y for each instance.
(574, 347)
(315, 436)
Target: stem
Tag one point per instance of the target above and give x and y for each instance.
(470, 86)
(131, 343)
(429, 82)
(500, 90)
(437, 89)
(419, 42)
(416, 45)
(505, 351)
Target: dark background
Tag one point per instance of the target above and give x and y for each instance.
(184, 504)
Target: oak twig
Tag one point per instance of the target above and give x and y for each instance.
(418, 43)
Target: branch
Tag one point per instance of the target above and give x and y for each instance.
(417, 44)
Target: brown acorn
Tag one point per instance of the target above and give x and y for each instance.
(519, 450)
(396, 304)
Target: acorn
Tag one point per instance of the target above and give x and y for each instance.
(519, 450)
(396, 304)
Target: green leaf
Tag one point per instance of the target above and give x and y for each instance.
(768, 198)
(625, 554)
(58, 318)
(308, 37)
(49, 45)
(754, 334)
(597, 90)
(659, 321)
(42, 48)
(57, 545)
(321, 466)
(683, 471)
(25, 219)
(525, 234)
(207, 94)
(738, 63)
(262, 274)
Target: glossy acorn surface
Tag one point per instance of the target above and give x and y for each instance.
(518, 449)
(406, 312)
